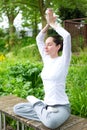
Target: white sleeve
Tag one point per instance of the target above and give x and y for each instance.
(66, 53)
(40, 43)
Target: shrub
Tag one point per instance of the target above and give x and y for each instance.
(77, 89)
(22, 80)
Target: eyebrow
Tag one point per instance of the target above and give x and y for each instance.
(48, 43)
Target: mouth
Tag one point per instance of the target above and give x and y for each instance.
(46, 51)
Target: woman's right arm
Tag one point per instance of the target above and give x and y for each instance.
(40, 40)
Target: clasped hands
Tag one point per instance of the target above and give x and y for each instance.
(50, 16)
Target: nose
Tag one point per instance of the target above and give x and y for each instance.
(46, 46)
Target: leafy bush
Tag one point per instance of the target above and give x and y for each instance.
(77, 43)
(77, 89)
(29, 52)
(22, 80)
(2, 44)
(79, 58)
(77, 84)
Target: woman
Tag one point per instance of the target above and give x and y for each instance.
(54, 110)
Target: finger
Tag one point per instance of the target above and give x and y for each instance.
(49, 10)
(55, 17)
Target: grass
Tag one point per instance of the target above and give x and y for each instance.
(77, 89)
(30, 53)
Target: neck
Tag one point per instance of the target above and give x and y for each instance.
(54, 56)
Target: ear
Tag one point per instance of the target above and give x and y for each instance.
(59, 46)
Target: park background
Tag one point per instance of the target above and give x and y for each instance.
(20, 62)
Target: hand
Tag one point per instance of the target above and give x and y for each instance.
(50, 16)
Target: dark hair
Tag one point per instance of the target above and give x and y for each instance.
(58, 41)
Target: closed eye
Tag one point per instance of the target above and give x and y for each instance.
(49, 44)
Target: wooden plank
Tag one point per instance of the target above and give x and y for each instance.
(73, 123)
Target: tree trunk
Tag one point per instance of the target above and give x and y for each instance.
(11, 31)
(42, 11)
(43, 6)
(35, 27)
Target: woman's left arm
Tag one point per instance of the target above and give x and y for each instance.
(51, 20)
(66, 53)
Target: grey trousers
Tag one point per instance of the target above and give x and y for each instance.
(51, 116)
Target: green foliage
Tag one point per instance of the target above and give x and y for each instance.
(77, 84)
(29, 52)
(79, 59)
(26, 41)
(77, 89)
(2, 44)
(2, 41)
(72, 9)
(25, 77)
(71, 13)
(77, 43)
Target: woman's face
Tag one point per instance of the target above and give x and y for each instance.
(51, 48)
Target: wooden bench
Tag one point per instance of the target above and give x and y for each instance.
(6, 110)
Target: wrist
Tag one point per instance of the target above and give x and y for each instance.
(47, 25)
(53, 25)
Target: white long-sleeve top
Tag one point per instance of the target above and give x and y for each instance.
(55, 70)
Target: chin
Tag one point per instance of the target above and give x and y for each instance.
(46, 53)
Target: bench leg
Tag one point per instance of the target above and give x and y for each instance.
(17, 125)
(4, 122)
(22, 126)
(0, 120)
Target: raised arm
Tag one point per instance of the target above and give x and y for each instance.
(51, 20)
(40, 40)
(45, 29)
